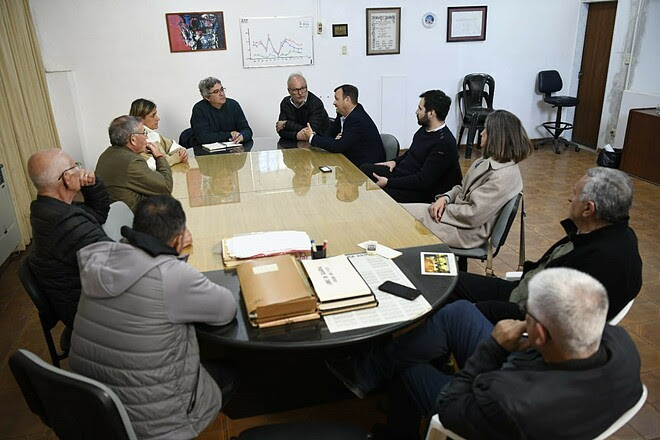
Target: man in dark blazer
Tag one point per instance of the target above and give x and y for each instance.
(353, 133)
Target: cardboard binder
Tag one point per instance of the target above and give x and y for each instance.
(276, 291)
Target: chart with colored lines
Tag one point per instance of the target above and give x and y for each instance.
(277, 41)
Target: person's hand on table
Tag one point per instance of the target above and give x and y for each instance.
(307, 132)
(279, 125)
(183, 154)
(237, 137)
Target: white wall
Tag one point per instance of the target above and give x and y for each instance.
(641, 85)
(118, 51)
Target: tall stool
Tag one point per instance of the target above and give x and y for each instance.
(550, 82)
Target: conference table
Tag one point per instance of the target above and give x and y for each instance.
(266, 187)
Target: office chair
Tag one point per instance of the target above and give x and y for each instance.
(74, 406)
(477, 89)
(184, 138)
(119, 215)
(497, 238)
(549, 82)
(46, 314)
(391, 146)
(304, 431)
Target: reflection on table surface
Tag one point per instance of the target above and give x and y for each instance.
(219, 178)
(238, 193)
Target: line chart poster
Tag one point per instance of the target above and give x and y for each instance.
(277, 41)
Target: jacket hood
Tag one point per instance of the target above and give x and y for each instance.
(108, 269)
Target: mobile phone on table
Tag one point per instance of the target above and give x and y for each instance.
(399, 290)
(325, 169)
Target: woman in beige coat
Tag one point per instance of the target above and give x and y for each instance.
(464, 216)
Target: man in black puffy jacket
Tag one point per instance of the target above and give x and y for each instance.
(60, 226)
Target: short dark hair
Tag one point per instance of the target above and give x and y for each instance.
(162, 217)
(141, 107)
(350, 91)
(437, 101)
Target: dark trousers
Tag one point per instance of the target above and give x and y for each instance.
(490, 295)
(225, 376)
(398, 194)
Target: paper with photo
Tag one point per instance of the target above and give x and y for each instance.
(438, 263)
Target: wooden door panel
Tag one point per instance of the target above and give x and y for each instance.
(595, 60)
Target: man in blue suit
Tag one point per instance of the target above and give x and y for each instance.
(353, 132)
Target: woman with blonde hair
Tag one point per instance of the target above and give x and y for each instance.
(146, 110)
(464, 216)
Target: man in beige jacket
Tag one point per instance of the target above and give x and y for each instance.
(125, 172)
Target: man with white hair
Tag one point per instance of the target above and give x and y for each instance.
(559, 373)
(60, 226)
(598, 242)
(300, 108)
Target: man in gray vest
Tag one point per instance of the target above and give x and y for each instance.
(134, 332)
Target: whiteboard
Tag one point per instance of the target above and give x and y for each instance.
(277, 41)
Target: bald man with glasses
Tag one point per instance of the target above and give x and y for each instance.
(300, 108)
(62, 226)
(125, 172)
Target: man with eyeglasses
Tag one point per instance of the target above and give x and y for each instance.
(125, 172)
(300, 108)
(62, 226)
(217, 118)
(561, 372)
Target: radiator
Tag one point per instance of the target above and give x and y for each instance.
(9, 234)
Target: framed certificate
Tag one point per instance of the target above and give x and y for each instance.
(466, 23)
(383, 31)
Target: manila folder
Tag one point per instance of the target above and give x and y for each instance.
(275, 288)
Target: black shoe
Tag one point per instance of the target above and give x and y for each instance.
(343, 370)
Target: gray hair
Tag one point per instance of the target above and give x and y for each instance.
(121, 129)
(296, 75)
(611, 191)
(572, 306)
(206, 85)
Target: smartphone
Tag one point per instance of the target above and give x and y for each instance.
(325, 169)
(399, 290)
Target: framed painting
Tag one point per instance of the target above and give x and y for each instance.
(196, 31)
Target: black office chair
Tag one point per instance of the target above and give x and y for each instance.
(549, 82)
(46, 313)
(304, 431)
(184, 138)
(390, 145)
(72, 405)
(475, 103)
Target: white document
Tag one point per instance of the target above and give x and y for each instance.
(382, 250)
(268, 243)
(220, 146)
(335, 278)
(375, 270)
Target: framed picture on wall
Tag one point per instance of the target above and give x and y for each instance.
(340, 30)
(383, 31)
(196, 31)
(466, 23)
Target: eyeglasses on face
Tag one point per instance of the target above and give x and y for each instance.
(143, 132)
(77, 165)
(525, 309)
(216, 91)
(302, 89)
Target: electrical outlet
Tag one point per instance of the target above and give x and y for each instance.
(344, 50)
(319, 28)
(613, 132)
(627, 58)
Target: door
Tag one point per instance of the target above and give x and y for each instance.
(593, 72)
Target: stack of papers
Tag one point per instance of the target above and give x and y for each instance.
(218, 146)
(338, 285)
(262, 244)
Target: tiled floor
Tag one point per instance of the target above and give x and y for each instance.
(548, 181)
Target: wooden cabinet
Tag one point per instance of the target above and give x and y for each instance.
(641, 148)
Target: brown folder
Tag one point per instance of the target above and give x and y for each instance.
(276, 291)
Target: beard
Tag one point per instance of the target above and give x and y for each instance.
(423, 121)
